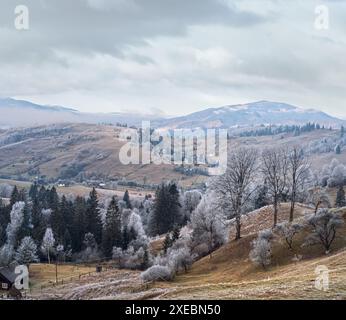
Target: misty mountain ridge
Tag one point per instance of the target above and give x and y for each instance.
(232, 116)
(252, 114)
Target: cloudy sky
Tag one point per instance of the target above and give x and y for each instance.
(174, 56)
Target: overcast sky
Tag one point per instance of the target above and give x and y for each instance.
(174, 56)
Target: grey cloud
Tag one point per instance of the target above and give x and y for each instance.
(107, 26)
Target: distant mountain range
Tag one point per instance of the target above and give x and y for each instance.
(251, 114)
(15, 113)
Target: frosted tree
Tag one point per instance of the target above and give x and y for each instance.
(318, 197)
(338, 176)
(157, 273)
(180, 259)
(288, 231)
(190, 201)
(324, 225)
(90, 252)
(208, 224)
(261, 252)
(6, 255)
(26, 252)
(298, 176)
(48, 243)
(275, 166)
(17, 217)
(234, 188)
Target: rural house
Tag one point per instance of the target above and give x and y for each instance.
(7, 278)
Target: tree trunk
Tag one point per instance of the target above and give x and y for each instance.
(293, 202)
(275, 213)
(48, 257)
(238, 227)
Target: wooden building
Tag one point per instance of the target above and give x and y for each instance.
(7, 278)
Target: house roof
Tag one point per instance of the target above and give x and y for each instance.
(8, 274)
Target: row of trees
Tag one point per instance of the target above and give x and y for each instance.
(278, 174)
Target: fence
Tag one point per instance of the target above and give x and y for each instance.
(69, 279)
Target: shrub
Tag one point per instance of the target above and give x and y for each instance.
(261, 251)
(157, 273)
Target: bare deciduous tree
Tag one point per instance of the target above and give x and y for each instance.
(318, 196)
(324, 226)
(234, 187)
(275, 165)
(298, 169)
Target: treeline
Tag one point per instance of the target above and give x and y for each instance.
(275, 130)
(41, 225)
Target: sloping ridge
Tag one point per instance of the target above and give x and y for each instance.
(229, 274)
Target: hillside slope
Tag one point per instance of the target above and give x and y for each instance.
(84, 151)
(229, 274)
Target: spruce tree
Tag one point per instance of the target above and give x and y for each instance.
(78, 229)
(38, 225)
(125, 238)
(127, 200)
(14, 196)
(93, 219)
(176, 233)
(111, 236)
(167, 243)
(166, 210)
(26, 228)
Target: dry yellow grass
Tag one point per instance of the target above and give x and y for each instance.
(45, 274)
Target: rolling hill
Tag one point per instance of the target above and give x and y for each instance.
(89, 151)
(251, 114)
(229, 274)
(20, 113)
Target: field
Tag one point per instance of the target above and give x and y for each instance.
(45, 274)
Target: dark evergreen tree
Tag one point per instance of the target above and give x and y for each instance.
(127, 200)
(166, 211)
(26, 228)
(78, 229)
(111, 236)
(167, 243)
(93, 219)
(145, 264)
(15, 197)
(262, 199)
(125, 239)
(4, 221)
(175, 233)
(38, 224)
(33, 191)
